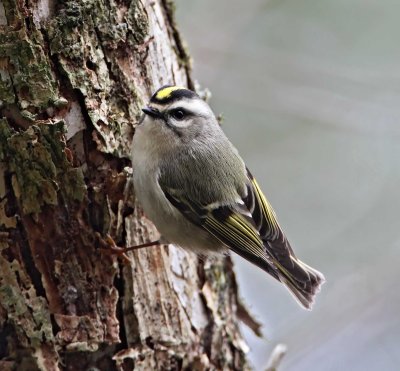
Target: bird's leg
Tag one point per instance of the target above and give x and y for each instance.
(147, 244)
(111, 248)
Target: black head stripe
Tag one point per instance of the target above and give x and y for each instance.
(170, 93)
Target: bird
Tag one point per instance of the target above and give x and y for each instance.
(193, 185)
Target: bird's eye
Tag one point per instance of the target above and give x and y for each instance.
(178, 114)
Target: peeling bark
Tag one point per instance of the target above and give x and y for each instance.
(73, 77)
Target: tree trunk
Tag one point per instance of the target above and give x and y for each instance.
(73, 77)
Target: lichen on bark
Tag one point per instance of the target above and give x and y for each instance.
(87, 39)
(26, 73)
(39, 166)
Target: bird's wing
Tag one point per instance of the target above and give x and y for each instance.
(250, 228)
(244, 226)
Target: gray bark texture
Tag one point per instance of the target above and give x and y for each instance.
(73, 78)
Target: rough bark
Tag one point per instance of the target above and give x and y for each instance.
(73, 77)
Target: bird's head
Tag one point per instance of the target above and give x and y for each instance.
(178, 113)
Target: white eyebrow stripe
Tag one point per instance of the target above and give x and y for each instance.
(197, 106)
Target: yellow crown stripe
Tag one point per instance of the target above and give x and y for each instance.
(166, 92)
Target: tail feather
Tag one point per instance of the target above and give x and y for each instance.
(304, 290)
(302, 281)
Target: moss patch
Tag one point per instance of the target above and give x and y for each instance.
(27, 311)
(40, 168)
(91, 40)
(27, 79)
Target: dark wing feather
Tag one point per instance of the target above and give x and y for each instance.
(233, 225)
(249, 227)
(276, 244)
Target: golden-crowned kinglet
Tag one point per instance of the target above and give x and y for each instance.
(193, 185)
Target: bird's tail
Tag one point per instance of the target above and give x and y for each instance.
(302, 281)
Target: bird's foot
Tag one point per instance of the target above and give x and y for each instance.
(111, 248)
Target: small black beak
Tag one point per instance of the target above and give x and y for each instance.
(152, 112)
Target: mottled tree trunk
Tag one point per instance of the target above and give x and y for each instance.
(73, 77)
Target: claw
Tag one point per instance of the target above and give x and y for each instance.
(111, 248)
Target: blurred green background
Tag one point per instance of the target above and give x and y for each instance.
(310, 92)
